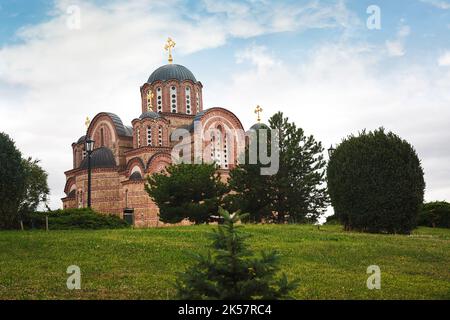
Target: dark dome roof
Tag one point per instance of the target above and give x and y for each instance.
(258, 126)
(151, 115)
(81, 140)
(136, 176)
(100, 158)
(171, 72)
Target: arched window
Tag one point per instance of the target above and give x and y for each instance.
(216, 146)
(149, 136)
(159, 99)
(188, 100)
(160, 137)
(102, 137)
(173, 99)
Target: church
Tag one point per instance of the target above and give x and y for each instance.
(124, 155)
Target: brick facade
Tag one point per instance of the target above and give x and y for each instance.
(142, 149)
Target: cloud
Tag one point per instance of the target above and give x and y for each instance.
(441, 4)
(54, 76)
(257, 56)
(338, 89)
(396, 48)
(444, 60)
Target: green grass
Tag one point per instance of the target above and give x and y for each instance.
(142, 264)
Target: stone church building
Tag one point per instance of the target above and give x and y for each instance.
(124, 155)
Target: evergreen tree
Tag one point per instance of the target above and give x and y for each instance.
(376, 183)
(192, 191)
(12, 182)
(231, 271)
(297, 192)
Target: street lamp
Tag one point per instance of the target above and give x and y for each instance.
(89, 148)
(331, 151)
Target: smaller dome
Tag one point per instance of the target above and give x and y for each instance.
(150, 114)
(258, 126)
(100, 158)
(136, 176)
(81, 140)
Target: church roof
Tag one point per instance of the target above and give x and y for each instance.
(82, 139)
(171, 72)
(151, 115)
(122, 130)
(100, 158)
(258, 126)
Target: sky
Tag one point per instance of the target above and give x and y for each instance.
(334, 67)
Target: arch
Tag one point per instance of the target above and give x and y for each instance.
(113, 122)
(158, 161)
(69, 185)
(136, 161)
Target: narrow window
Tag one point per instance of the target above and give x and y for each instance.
(102, 138)
(225, 152)
(188, 100)
(198, 102)
(149, 136)
(160, 137)
(138, 137)
(173, 99)
(159, 99)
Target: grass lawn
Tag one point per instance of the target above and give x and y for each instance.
(142, 264)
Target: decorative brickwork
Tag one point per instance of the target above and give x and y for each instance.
(142, 149)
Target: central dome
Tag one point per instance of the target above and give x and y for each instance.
(171, 72)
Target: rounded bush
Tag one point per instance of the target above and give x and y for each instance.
(435, 214)
(376, 184)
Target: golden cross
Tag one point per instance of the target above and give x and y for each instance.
(87, 122)
(170, 44)
(258, 111)
(150, 96)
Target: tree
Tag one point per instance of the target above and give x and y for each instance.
(297, 192)
(12, 182)
(376, 183)
(36, 187)
(192, 191)
(435, 214)
(232, 271)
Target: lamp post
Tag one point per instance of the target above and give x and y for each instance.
(331, 151)
(89, 149)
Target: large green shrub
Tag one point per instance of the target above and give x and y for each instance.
(376, 184)
(75, 219)
(435, 214)
(12, 182)
(187, 191)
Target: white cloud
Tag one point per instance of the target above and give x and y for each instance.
(339, 89)
(444, 59)
(396, 48)
(55, 76)
(441, 4)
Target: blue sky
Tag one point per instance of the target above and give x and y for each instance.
(315, 60)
